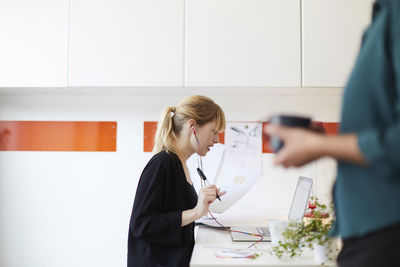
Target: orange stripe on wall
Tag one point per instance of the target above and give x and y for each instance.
(331, 128)
(265, 140)
(150, 127)
(149, 131)
(58, 135)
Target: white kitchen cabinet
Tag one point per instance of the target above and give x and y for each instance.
(332, 32)
(242, 43)
(126, 43)
(33, 43)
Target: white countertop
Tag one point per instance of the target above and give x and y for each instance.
(210, 240)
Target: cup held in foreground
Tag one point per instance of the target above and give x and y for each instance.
(289, 121)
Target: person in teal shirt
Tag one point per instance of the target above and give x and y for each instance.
(367, 189)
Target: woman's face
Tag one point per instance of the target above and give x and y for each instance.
(207, 136)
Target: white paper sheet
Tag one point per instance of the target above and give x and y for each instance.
(244, 145)
(236, 183)
(241, 165)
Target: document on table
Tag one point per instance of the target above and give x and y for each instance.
(235, 253)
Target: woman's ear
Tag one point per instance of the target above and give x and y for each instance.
(191, 124)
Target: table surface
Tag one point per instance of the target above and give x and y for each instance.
(210, 240)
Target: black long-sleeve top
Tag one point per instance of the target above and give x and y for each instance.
(156, 237)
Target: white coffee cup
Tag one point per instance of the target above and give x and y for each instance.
(276, 228)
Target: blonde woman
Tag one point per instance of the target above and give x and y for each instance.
(161, 231)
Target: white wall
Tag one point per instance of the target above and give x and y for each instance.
(73, 208)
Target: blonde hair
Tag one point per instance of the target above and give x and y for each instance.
(199, 108)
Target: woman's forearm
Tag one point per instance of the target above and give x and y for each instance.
(189, 216)
(341, 147)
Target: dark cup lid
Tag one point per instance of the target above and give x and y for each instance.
(288, 120)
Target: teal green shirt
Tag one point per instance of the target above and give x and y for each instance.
(367, 198)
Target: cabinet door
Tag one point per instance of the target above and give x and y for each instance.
(126, 43)
(242, 43)
(34, 43)
(332, 32)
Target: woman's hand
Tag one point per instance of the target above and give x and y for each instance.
(303, 146)
(300, 146)
(207, 195)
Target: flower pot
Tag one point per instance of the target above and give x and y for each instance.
(325, 253)
(320, 254)
(276, 228)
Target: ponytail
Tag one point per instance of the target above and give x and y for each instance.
(165, 137)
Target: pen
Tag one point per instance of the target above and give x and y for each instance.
(201, 173)
(238, 131)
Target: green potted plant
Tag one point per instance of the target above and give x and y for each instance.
(312, 233)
